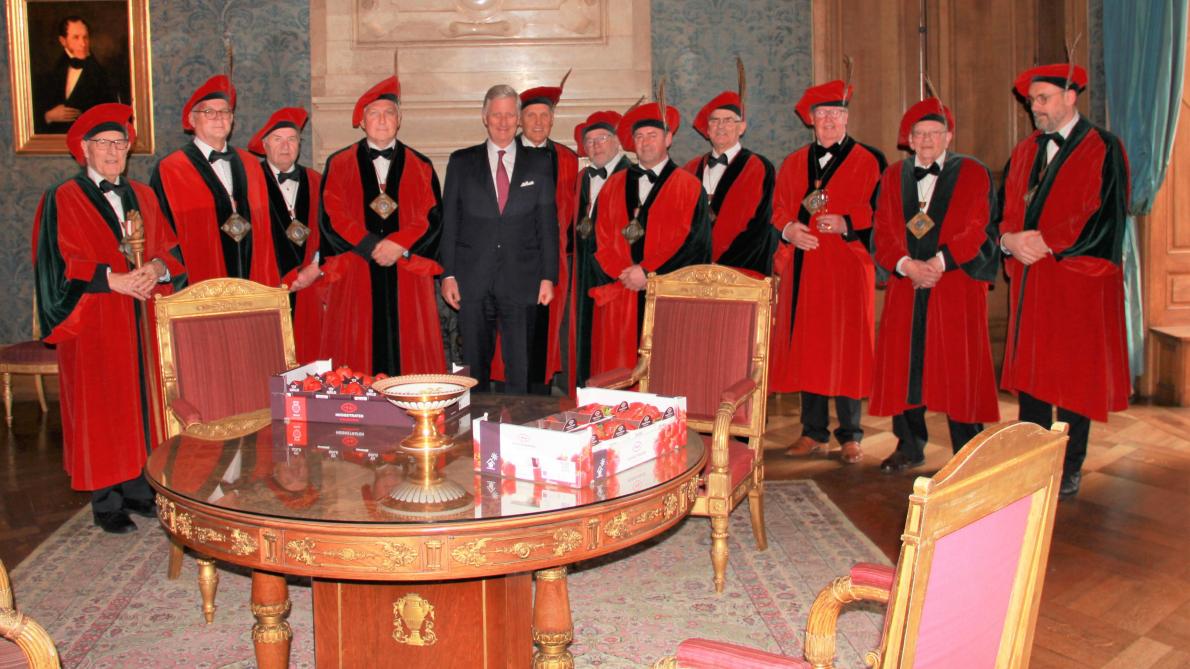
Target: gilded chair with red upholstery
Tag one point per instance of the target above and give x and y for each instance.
(967, 585)
(218, 342)
(27, 357)
(706, 337)
(31, 646)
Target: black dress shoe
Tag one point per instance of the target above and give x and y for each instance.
(898, 461)
(1070, 484)
(141, 507)
(115, 522)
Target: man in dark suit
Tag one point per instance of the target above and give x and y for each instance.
(76, 83)
(499, 242)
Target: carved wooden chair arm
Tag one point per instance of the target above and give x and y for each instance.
(730, 401)
(866, 582)
(29, 636)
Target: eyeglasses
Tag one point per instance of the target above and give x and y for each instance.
(212, 114)
(727, 120)
(598, 140)
(922, 134)
(105, 144)
(1040, 99)
(829, 113)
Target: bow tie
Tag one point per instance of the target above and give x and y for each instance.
(713, 161)
(106, 186)
(291, 175)
(920, 173)
(77, 63)
(1055, 137)
(642, 172)
(600, 172)
(387, 154)
(219, 155)
(820, 150)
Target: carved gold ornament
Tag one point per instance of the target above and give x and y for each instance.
(236, 227)
(413, 621)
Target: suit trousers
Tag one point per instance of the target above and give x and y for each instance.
(111, 498)
(912, 435)
(1041, 412)
(479, 320)
(816, 418)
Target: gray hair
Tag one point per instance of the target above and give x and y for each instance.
(500, 91)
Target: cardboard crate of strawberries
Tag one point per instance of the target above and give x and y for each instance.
(321, 393)
(608, 432)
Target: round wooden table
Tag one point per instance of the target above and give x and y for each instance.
(394, 587)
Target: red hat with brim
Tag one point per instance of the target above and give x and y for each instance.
(607, 120)
(97, 119)
(1056, 74)
(642, 116)
(389, 89)
(542, 95)
(285, 117)
(930, 109)
(725, 100)
(218, 86)
(831, 94)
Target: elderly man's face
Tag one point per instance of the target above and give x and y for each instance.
(725, 128)
(929, 139)
(104, 155)
(282, 147)
(500, 118)
(77, 41)
(212, 121)
(1051, 106)
(537, 121)
(382, 120)
(830, 124)
(652, 145)
(601, 145)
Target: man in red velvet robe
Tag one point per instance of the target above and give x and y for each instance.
(934, 234)
(381, 224)
(293, 214)
(739, 187)
(596, 139)
(214, 195)
(650, 217)
(1065, 195)
(87, 289)
(825, 324)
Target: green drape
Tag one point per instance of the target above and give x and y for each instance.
(1144, 51)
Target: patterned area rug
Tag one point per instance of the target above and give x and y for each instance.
(107, 603)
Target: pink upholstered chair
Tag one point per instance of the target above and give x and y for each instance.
(27, 357)
(967, 585)
(31, 645)
(218, 342)
(706, 336)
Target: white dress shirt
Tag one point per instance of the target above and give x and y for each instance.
(381, 163)
(72, 76)
(528, 144)
(509, 160)
(112, 197)
(289, 188)
(925, 193)
(222, 168)
(646, 186)
(713, 173)
(597, 181)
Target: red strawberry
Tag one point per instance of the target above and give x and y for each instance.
(311, 384)
(352, 389)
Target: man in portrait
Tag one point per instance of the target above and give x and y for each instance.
(75, 83)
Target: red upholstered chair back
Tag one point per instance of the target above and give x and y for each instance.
(706, 327)
(219, 341)
(968, 581)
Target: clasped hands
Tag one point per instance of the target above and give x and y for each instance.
(1027, 246)
(800, 236)
(924, 273)
(138, 283)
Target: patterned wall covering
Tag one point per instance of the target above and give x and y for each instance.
(695, 45)
(272, 69)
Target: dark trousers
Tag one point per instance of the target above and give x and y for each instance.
(816, 418)
(910, 428)
(111, 498)
(1037, 411)
(479, 320)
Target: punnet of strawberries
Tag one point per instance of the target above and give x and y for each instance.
(340, 381)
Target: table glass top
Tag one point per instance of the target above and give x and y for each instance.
(358, 473)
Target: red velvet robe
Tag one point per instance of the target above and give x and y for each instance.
(822, 340)
(347, 241)
(1066, 329)
(933, 347)
(196, 204)
(742, 235)
(677, 234)
(105, 407)
(309, 304)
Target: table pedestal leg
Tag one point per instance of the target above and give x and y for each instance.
(208, 585)
(271, 633)
(553, 630)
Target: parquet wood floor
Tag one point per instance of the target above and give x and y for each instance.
(1117, 594)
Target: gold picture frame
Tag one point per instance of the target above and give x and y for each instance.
(117, 69)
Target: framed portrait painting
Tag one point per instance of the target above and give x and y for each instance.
(68, 56)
